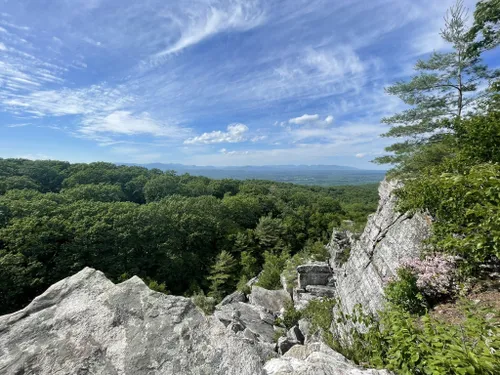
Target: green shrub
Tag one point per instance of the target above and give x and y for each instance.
(207, 304)
(271, 271)
(320, 314)
(412, 345)
(465, 204)
(291, 316)
(404, 292)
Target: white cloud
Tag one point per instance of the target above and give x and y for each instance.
(310, 120)
(258, 138)
(203, 21)
(226, 152)
(360, 155)
(127, 123)
(235, 133)
(20, 125)
(2, 47)
(304, 119)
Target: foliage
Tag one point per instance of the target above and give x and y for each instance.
(291, 316)
(404, 292)
(269, 278)
(410, 345)
(465, 202)
(56, 218)
(222, 275)
(206, 304)
(486, 25)
(319, 312)
(435, 276)
(442, 90)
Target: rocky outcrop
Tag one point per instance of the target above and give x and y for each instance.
(255, 319)
(315, 359)
(388, 240)
(272, 301)
(237, 296)
(85, 324)
(314, 273)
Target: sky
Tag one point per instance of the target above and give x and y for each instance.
(207, 82)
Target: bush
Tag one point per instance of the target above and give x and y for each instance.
(436, 276)
(291, 316)
(465, 203)
(320, 314)
(207, 304)
(271, 271)
(404, 292)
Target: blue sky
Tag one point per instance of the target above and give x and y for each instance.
(222, 82)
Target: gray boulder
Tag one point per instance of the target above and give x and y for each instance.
(285, 344)
(85, 324)
(321, 291)
(270, 300)
(253, 318)
(314, 273)
(295, 334)
(237, 296)
(315, 359)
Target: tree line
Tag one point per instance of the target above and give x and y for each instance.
(181, 233)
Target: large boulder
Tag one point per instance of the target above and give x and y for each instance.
(314, 273)
(237, 296)
(315, 359)
(270, 300)
(85, 324)
(253, 318)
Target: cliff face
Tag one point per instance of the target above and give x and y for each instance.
(388, 240)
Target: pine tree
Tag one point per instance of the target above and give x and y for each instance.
(442, 92)
(222, 275)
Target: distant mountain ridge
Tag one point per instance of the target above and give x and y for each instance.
(291, 167)
(323, 175)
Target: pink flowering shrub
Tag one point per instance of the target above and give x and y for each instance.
(435, 274)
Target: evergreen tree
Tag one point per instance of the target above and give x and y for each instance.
(222, 275)
(442, 92)
(486, 25)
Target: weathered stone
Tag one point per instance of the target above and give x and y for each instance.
(270, 300)
(295, 334)
(305, 328)
(285, 344)
(315, 359)
(388, 240)
(301, 298)
(251, 317)
(85, 324)
(234, 297)
(314, 273)
(321, 291)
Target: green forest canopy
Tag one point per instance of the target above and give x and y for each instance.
(57, 217)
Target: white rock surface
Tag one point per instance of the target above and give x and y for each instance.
(270, 300)
(85, 324)
(388, 240)
(315, 359)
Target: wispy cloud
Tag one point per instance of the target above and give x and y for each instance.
(203, 20)
(127, 123)
(235, 133)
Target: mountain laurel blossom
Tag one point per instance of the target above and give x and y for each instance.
(436, 274)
